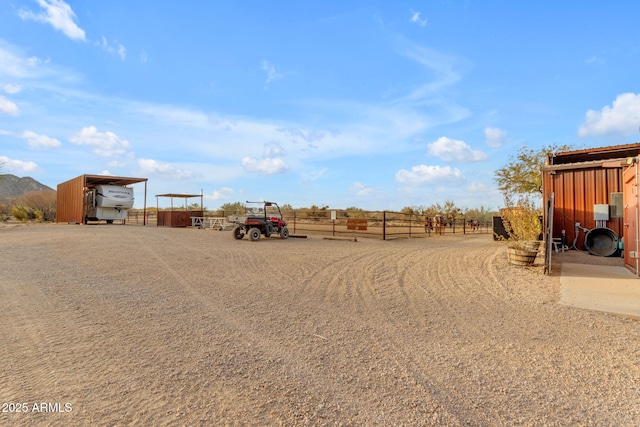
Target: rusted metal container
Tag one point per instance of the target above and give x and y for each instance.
(582, 179)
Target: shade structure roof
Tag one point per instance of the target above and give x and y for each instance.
(595, 154)
(180, 195)
(93, 180)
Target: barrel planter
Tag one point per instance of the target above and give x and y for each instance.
(521, 256)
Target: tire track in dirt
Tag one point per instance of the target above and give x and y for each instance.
(376, 335)
(252, 339)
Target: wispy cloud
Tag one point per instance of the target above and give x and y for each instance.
(37, 141)
(15, 65)
(114, 49)
(59, 15)
(495, 137)
(416, 18)
(163, 169)
(452, 150)
(8, 107)
(622, 117)
(11, 88)
(271, 72)
(596, 60)
(104, 144)
(360, 190)
(446, 71)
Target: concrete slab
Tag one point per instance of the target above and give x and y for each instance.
(603, 288)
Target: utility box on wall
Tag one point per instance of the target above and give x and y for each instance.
(601, 212)
(617, 209)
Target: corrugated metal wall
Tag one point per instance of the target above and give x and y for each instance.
(576, 191)
(70, 201)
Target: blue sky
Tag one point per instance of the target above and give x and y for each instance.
(373, 104)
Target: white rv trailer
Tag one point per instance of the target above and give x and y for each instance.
(108, 202)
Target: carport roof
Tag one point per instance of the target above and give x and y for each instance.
(595, 154)
(178, 195)
(93, 180)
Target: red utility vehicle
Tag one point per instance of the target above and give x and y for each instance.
(260, 218)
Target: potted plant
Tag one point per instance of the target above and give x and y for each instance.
(521, 219)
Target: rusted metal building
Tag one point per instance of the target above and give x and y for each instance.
(595, 190)
(71, 205)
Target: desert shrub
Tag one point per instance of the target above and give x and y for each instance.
(43, 201)
(39, 215)
(21, 213)
(5, 212)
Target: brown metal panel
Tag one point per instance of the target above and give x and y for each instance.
(70, 201)
(601, 187)
(174, 218)
(576, 191)
(580, 196)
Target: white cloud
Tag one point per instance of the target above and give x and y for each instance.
(59, 15)
(37, 141)
(116, 164)
(115, 49)
(423, 174)
(623, 117)
(495, 137)
(271, 161)
(105, 144)
(11, 88)
(267, 166)
(224, 193)
(416, 18)
(360, 189)
(19, 166)
(271, 72)
(8, 107)
(477, 187)
(452, 150)
(166, 170)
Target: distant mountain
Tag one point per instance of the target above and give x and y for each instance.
(11, 186)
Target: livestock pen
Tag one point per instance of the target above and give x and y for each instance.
(385, 225)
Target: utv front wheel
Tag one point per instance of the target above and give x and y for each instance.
(284, 233)
(237, 232)
(254, 234)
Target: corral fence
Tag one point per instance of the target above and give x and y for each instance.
(385, 225)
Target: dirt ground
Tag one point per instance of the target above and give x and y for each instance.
(133, 325)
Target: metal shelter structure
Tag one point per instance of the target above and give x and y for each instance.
(178, 217)
(595, 199)
(70, 196)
